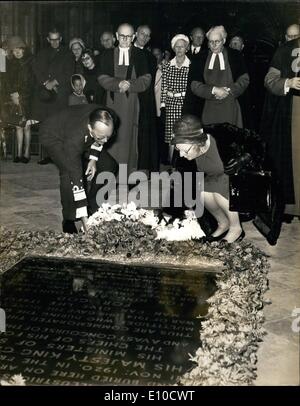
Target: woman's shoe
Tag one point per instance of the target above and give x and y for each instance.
(25, 160)
(239, 239)
(210, 238)
(17, 159)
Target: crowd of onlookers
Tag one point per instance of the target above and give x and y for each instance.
(36, 86)
(150, 89)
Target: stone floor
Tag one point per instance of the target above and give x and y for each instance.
(30, 200)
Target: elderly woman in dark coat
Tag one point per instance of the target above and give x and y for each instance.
(77, 47)
(18, 90)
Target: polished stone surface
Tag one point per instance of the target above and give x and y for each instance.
(25, 203)
(73, 322)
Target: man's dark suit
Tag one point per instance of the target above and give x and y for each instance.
(192, 57)
(66, 137)
(51, 64)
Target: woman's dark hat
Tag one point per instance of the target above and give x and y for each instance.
(188, 130)
(15, 42)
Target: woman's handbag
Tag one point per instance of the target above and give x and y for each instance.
(251, 192)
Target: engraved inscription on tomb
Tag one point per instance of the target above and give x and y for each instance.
(89, 323)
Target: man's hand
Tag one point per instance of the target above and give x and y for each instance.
(52, 85)
(84, 224)
(91, 169)
(221, 92)
(124, 85)
(294, 83)
(15, 98)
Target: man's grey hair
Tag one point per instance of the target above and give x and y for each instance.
(143, 26)
(218, 29)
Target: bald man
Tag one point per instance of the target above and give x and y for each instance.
(292, 32)
(107, 40)
(142, 36)
(125, 74)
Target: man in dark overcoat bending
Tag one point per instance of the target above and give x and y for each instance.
(74, 139)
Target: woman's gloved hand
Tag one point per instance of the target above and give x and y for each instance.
(235, 165)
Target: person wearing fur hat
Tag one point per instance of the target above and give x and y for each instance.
(218, 150)
(77, 46)
(18, 88)
(173, 85)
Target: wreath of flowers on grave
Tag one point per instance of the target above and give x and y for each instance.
(233, 327)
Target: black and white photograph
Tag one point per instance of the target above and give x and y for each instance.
(149, 196)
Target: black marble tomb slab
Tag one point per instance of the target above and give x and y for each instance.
(72, 322)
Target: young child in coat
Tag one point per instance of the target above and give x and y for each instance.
(77, 97)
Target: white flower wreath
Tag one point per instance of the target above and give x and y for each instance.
(179, 230)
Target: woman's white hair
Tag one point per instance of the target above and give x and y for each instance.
(218, 29)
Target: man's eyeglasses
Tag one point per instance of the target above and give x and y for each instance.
(185, 151)
(216, 42)
(125, 37)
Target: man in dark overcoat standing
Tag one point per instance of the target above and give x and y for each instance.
(52, 67)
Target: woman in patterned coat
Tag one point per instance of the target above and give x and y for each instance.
(174, 84)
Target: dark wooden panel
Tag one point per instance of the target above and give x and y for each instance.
(256, 20)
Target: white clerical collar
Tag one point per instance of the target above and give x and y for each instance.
(186, 62)
(138, 46)
(124, 56)
(221, 60)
